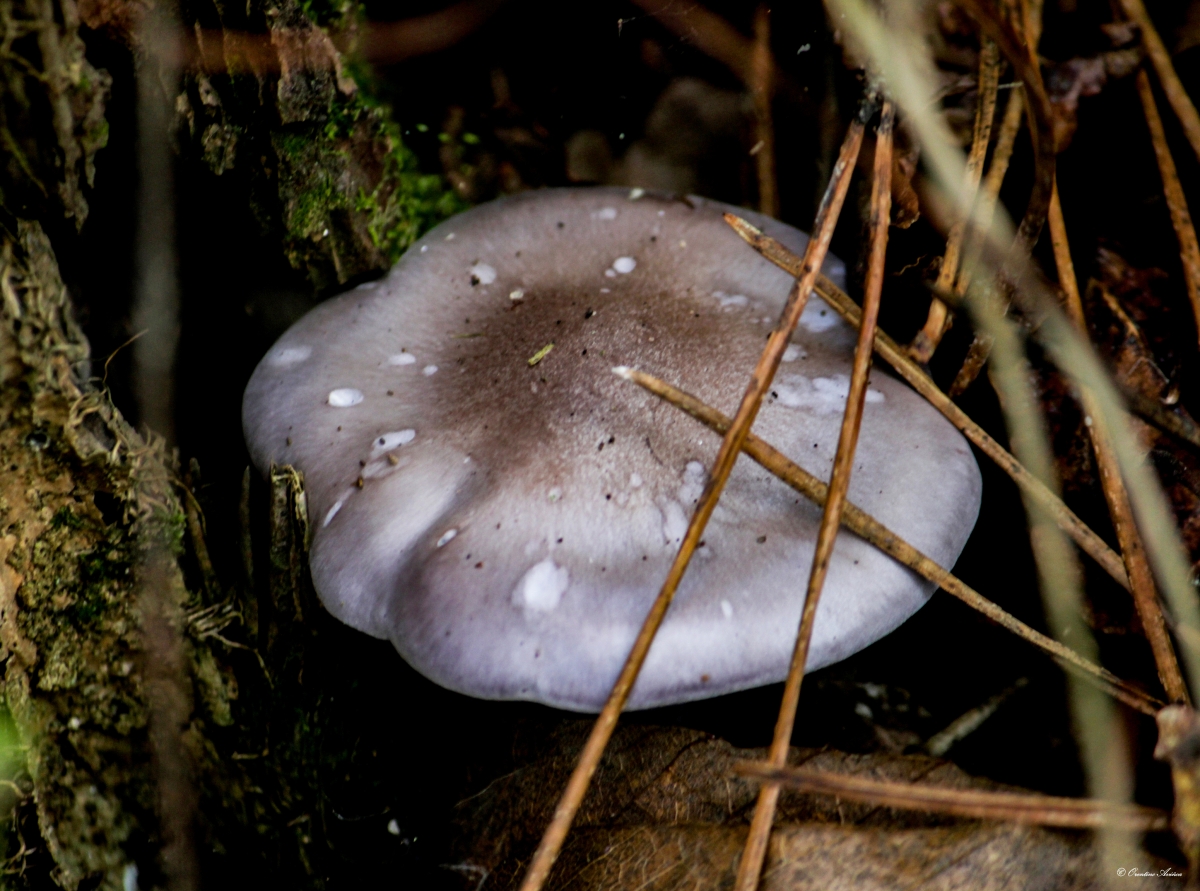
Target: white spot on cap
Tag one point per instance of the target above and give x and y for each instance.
(624, 264)
(635, 480)
(388, 441)
(424, 248)
(542, 587)
(727, 609)
(554, 494)
(733, 300)
(821, 395)
(429, 370)
(818, 317)
(605, 213)
(609, 273)
(675, 522)
(344, 397)
(793, 352)
(517, 294)
(283, 356)
(402, 359)
(483, 273)
(450, 237)
(447, 537)
(636, 193)
(694, 476)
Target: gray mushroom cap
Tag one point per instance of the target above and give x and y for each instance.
(508, 524)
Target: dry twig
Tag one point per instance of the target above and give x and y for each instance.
(930, 336)
(755, 851)
(760, 381)
(1039, 810)
(894, 355)
(1176, 95)
(871, 530)
(1181, 218)
(1141, 579)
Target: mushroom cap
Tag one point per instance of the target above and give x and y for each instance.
(507, 522)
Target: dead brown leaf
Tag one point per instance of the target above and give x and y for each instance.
(666, 811)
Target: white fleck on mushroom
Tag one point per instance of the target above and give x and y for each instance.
(281, 357)
(624, 265)
(544, 596)
(344, 397)
(402, 359)
(482, 274)
(429, 370)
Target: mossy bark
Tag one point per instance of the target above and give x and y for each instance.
(158, 712)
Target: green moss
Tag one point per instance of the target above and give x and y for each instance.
(406, 202)
(100, 570)
(65, 518)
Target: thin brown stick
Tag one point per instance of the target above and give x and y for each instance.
(762, 88)
(1006, 137)
(1030, 809)
(1165, 420)
(1137, 565)
(1172, 87)
(731, 446)
(875, 533)
(755, 851)
(1181, 218)
(893, 354)
(930, 335)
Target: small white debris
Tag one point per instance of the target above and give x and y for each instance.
(818, 317)
(635, 194)
(607, 290)
(388, 441)
(605, 213)
(554, 495)
(727, 609)
(863, 710)
(283, 356)
(610, 273)
(675, 522)
(450, 237)
(542, 587)
(793, 352)
(733, 300)
(516, 294)
(821, 395)
(345, 397)
(429, 370)
(402, 359)
(447, 537)
(424, 248)
(694, 477)
(324, 233)
(804, 48)
(75, 723)
(333, 511)
(662, 213)
(635, 481)
(624, 265)
(483, 274)
(393, 827)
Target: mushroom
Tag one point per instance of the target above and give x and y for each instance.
(494, 501)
